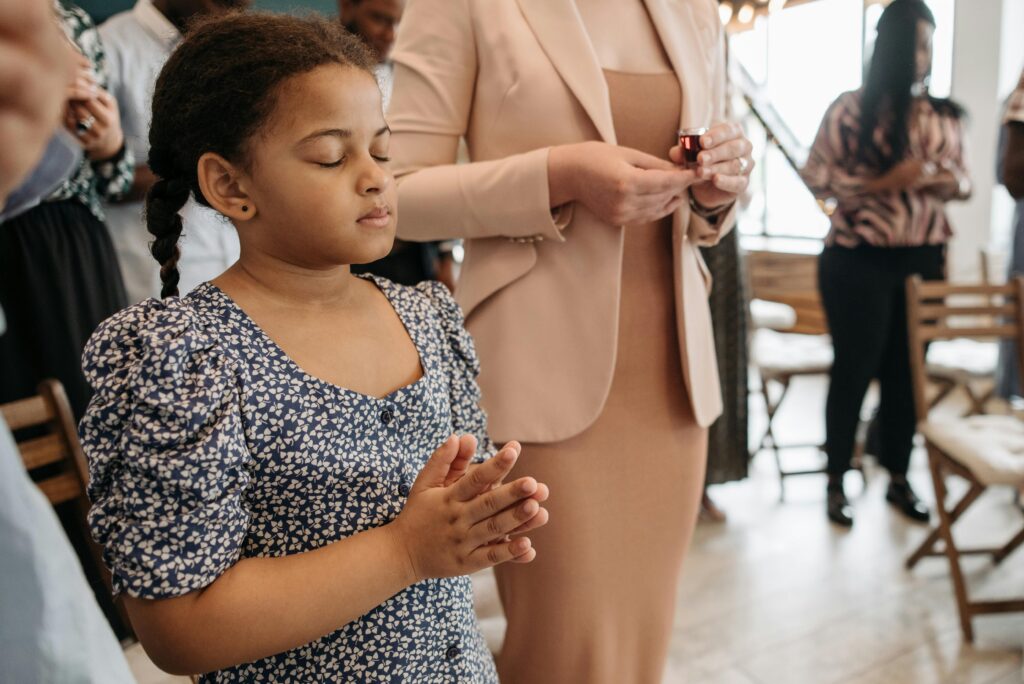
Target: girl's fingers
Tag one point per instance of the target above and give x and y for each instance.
(526, 557)
(533, 523)
(459, 467)
(542, 493)
(497, 526)
(496, 554)
(481, 478)
(497, 500)
(436, 469)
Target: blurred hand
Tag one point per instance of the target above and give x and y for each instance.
(96, 123)
(81, 77)
(34, 69)
(906, 174)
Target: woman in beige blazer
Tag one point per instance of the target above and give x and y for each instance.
(583, 287)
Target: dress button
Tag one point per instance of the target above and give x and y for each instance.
(386, 416)
(452, 653)
(403, 489)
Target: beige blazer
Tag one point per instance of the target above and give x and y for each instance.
(540, 289)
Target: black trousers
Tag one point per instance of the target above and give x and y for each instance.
(863, 292)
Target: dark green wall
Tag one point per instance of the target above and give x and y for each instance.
(101, 9)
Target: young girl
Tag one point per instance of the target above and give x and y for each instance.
(254, 446)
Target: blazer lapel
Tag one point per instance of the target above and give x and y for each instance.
(559, 30)
(687, 48)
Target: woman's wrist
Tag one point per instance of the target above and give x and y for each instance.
(561, 176)
(108, 152)
(709, 214)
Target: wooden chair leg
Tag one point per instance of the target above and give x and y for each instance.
(1010, 547)
(926, 547)
(946, 387)
(946, 530)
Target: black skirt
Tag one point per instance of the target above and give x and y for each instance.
(59, 279)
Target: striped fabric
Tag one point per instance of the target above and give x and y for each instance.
(1015, 105)
(885, 219)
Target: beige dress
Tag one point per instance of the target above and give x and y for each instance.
(625, 492)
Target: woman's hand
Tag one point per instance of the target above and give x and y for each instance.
(81, 85)
(456, 529)
(621, 186)
(34, 68)
(96, 122)
(902, 176)
(725, 165)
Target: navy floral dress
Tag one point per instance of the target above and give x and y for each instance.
(207, 444)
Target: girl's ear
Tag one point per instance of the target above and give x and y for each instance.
(223, 187)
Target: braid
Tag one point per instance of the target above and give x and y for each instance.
(194, 112)
(163, 202)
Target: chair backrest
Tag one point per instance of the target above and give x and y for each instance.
(56, 462)
(58, 451)
(791, 279)
(939, 310)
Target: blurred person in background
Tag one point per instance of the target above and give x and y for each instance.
(892, 156)
(1011, 174)
(59, 275)
(376, 22)
(137, 44)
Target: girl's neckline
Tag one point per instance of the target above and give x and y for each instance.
(386, 288)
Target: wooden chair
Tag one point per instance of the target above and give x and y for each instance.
(968, 365)
(54, 458)
(802, 349)
(984, 450)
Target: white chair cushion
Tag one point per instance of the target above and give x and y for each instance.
(778, 353)
(963, 359)
(775, 315)
(991, 447)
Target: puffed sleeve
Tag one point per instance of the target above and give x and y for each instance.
(168, 462)
(462, 366)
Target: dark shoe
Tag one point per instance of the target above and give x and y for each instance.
(903, 498)
(839, 509)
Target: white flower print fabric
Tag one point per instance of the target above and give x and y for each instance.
(207, 444)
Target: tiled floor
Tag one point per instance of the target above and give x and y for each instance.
(777, 595)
